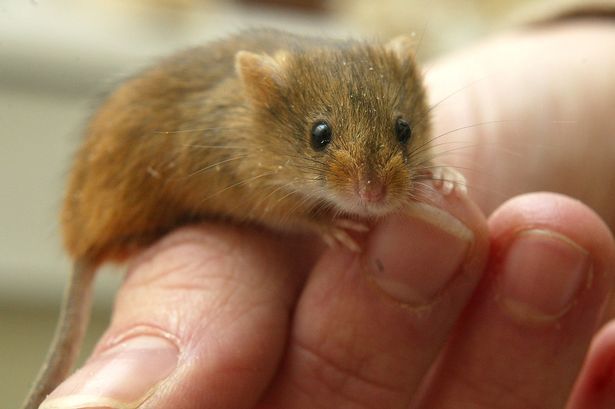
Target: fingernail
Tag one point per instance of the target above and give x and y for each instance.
(541, 274)
(121, 377)
(413, 258)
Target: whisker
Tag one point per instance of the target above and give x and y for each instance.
(451, 150)
(443, 153)
(243, 182)
(281, 199)
(422, 167)
(438, 149)
(213, 165)
(500, 149)
(421, 191)
(213, 146)
(466, 143)
(418, 46)
(304, 200)
(157, 131)
(457, 91)
(478, 188)
(427, 144)
(277, 189)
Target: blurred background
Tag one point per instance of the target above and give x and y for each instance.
(57, 58)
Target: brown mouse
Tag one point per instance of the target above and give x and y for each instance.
(290, 132)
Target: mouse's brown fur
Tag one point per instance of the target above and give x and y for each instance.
(205, 134)
(224, 131)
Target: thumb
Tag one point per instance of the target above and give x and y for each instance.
(200, 321)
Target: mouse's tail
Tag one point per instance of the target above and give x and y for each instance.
(72, 324)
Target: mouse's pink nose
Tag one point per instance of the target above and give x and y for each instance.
(371, 190)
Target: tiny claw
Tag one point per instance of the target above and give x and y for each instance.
(449, 181)
(334, 235)
(461, 190)
(328, 239)
(352, 225)
(344, 238)
(447, 187)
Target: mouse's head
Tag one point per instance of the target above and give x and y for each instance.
(346, 123)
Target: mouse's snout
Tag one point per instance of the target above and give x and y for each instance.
(370, 189)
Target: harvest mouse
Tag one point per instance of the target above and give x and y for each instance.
(289, 132)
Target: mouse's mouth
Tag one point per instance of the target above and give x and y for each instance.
(369, 199)
(367, 209)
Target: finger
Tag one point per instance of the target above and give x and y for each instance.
(368, 326)
(596, 386)
(488, 136)
(200, 322)
(523, 337)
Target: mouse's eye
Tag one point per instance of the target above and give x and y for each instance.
(321, 135)
(403, 130)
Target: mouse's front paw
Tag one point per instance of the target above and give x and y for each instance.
(448, 180)
(336, 233)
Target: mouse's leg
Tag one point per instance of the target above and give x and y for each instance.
(69, 334)
(334, 232)
(350, 224)
(448, 180)
(334, 236)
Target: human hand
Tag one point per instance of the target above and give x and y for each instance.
(531, 111)
(233, 319)
(219, 317)
(224, 304)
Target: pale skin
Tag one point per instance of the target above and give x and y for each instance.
(222, 317)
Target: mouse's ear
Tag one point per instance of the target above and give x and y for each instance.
(402, 48)
(262, 75)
